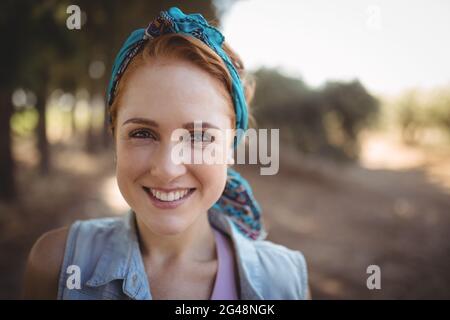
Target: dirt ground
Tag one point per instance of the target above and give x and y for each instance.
(384, 211)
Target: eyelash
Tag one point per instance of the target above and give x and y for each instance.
(134, 133)
(209, 138)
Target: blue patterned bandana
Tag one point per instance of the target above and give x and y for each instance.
(175, 21)
(237, 200)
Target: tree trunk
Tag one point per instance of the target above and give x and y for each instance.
(7, 182)
(73, 121)
(43, 146)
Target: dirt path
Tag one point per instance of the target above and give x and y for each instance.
(345, 218)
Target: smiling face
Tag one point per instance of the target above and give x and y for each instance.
(159, 97)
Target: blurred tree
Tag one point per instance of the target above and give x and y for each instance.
(440, 109)
(11, 14)
(46, 45)
(407, 116)
(354, 109)
(275, 89)
(325, 121)
(417, 111)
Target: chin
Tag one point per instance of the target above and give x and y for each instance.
(166, 225)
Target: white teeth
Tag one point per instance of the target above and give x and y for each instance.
(169, 196)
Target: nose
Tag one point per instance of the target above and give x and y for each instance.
(163, 168)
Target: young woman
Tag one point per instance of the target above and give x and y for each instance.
(194, 229)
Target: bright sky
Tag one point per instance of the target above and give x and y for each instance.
(388, 45)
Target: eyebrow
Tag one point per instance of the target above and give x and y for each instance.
(148, 122)
(190, 125)
(152, 123)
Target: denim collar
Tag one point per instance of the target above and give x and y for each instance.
(122, 260)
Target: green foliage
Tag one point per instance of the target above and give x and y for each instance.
(417, 111)
(23, 123)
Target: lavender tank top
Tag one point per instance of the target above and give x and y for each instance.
(225, 287)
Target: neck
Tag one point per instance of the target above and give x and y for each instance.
(196, 243)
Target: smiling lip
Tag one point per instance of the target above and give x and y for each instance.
(167, 204)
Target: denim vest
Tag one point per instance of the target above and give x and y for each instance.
(106, 250)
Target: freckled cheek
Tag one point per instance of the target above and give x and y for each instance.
(132, 161)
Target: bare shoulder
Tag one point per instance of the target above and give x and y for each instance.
(44, 264)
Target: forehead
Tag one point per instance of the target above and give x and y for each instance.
(172, 92)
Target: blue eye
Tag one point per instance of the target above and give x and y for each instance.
(202, 137)
(141, 134)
